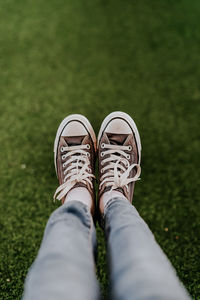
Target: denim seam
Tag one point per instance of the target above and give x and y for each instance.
(102, 221)
(90, 229)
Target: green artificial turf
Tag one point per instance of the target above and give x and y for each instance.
(92, 57)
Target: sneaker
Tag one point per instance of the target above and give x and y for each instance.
(74, 156)
(119, 152)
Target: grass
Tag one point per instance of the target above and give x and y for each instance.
(92, 57)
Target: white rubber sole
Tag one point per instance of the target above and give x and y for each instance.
(128, 120)
(70, 118)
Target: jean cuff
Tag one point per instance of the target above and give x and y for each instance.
(108, 204)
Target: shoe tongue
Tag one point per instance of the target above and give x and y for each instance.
(74, 140)
(117, 139)
(119, 189)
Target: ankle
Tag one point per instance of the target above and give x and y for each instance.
(80, 194)
(107, 196)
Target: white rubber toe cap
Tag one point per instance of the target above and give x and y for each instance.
(74, 128)
(118, 126)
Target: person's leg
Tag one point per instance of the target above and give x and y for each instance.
(64, 267)
(139, 268)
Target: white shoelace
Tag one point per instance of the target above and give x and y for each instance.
(118, 167)
(78, 169)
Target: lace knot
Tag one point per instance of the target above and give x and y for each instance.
(118, 168)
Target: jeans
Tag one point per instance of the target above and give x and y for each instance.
(65, 265)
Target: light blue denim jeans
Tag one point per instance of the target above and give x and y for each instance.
(65, 265)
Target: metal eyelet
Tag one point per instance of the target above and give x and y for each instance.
(63, 165)
(63, 157)
(62, 149)
(88, 146)
(102, 145)
(88, 154)
(128, 156)
(102, 154)
(129, 148)
(102, 170)
(102, 163)
(89, 170)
